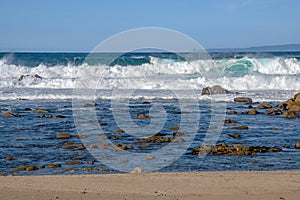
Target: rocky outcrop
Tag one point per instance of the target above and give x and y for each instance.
(216, 89)
(290, 115)
(240, 127)
(159, 139)
(292, 104)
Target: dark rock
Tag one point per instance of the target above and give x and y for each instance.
(268, 165)
(264, 106)
(252, 112)
(240, 113)
(273, 111)
(217, 89)
(103, 124)
(229, 121)
(9, 115)
(243, 99)
(240, 127)
(286, 146)
(38, 76)
(290, 115)
(58, 116)
(23, 77)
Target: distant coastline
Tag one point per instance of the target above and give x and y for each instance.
(267, 48)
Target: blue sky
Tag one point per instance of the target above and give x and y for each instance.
(73, 25)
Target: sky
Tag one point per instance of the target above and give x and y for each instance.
(80, 25)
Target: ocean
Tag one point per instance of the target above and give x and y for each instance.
(100, 99)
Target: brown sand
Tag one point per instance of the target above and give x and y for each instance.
(202, 185)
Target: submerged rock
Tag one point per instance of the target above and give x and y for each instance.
(123, 147)
(42, 111)
(174, 128)
(229, 121)
(234, 135)
(9, 115)
(216, 89)
(232, 112)
(53, 165)
(240, 127)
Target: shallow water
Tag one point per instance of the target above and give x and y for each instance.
(31, 140)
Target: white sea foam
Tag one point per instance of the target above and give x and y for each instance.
(278, 73)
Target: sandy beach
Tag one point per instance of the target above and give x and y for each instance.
(201, 185)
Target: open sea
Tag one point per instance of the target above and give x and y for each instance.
(97, 102)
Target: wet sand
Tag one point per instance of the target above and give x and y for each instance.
(200, 185)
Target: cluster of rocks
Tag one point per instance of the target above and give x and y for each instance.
(43, 111)
(160, 139)
(33, 168)
(224, 149)
(287, 109)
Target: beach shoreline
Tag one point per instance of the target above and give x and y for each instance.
(156, 185)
